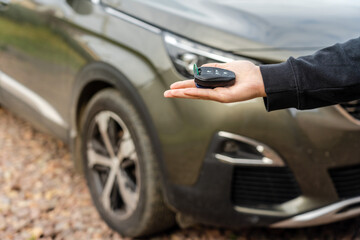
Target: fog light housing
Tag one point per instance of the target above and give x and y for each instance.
(240, 150)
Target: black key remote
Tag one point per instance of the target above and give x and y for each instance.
(211, 77)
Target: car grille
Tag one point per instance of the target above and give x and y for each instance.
(346, 181)
(256, 186)
(353, 108)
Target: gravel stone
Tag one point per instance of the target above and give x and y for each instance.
(41, 197)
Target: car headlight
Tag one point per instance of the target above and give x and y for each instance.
(185, 53)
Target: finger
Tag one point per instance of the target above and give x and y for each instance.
(206, 94)
(177, 93)
(195, 93)
(183, 84)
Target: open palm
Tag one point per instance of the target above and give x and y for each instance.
(248, 85)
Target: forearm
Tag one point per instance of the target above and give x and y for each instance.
(329, 76)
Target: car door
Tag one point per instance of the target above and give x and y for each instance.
(38, 62)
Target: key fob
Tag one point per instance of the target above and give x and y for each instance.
(211, 77)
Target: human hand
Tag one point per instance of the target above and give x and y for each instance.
(248, 84)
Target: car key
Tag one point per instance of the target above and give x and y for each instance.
(211, 77)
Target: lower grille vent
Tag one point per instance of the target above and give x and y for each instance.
(255, 186)
(346, 181)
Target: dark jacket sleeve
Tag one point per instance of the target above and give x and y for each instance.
(329, 76)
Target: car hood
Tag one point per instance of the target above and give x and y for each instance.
(253, 25)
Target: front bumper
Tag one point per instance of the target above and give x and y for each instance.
(210, 200)
(238, 193)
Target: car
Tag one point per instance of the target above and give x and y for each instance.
(93, 74)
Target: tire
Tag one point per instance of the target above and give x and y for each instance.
(121, 168)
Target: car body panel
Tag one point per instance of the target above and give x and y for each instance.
(248, 27)
(27, 38)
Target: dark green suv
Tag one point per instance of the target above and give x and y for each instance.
(93, 74)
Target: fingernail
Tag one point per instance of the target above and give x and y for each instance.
(166, 93)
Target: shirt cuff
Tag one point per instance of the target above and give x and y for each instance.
(280, 86)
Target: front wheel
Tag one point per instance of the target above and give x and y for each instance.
(120, 166)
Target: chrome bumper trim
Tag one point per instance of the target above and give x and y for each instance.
(324, 215)
(244, 161)
(270, 157)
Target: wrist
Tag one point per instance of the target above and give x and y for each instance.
(260, 82)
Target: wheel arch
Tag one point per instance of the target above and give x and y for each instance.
(93, 78)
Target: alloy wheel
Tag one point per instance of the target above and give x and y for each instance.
(113, 164)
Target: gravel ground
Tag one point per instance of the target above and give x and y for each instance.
(41, 197)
